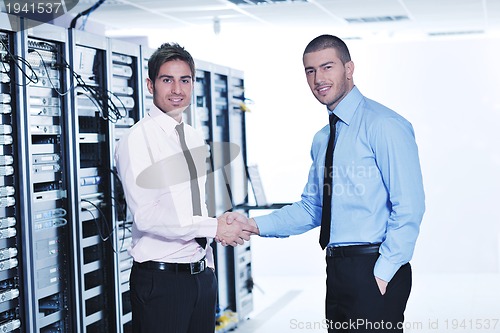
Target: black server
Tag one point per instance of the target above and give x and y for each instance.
(220, 146)
(237, 137)
(147, 97)
(11, 279)
(230, 179)
(200, 116)
(218, 112)
(49, 223)
(92, 175)
(217, 108)
(238, 184)
(209, 113)
(125, 78)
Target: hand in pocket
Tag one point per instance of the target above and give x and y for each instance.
(382, 285)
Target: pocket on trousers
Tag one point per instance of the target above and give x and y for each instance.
(402, 280)
(377, 288)
(373, 280)
(141, 285)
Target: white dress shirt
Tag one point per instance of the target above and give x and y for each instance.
(155, 179)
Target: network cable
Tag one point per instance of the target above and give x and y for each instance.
(33, 78)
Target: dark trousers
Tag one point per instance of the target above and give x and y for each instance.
(354, 302)
(172, 302)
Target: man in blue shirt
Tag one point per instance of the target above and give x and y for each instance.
(377, 198)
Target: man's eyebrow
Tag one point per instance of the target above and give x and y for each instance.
(327, 63)
(322, 65)
(171, 76)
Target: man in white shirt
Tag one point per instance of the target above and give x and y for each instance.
(162, 164)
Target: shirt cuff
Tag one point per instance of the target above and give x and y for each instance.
(384, 269)
(266, 226)
(207, 226)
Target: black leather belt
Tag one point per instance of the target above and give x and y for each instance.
(352, 250)
(192, 267)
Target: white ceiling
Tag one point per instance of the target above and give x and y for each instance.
(418, 16)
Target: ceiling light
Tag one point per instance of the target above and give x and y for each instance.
(455, 33)
(263, 2)
(216, 25)
(377, 19)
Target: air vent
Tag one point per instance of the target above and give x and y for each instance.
(456, 33)
(107, 2)
(263, 2)
(377, 19)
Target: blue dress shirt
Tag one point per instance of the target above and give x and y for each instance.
(377, 194)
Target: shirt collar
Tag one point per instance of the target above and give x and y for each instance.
(166, 123)
(347, 107)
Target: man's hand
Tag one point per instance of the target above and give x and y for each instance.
(233, 229)
(382, 285)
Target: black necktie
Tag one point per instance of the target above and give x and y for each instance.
(326, 216)
(193, 176)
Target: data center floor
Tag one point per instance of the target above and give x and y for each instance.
(438, 303)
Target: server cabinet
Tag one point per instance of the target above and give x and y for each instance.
(11, 278)
(125, 77)
(49, 221)
(235, 268)
(241, 256)
(220, 147)
(219, 137)
(66, 97)
(209, 113)
(147, 97)
(218, 113)
(238, 180)
(94, 271)
(201, 118)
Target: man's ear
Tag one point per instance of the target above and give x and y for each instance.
(150, 85)
(349, 70)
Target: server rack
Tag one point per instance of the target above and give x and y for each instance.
(92, 163)
(218, 112)
(237, 136)
(241, 256)
(11, 274)
(147, 97)
(235, 270)
(201, 118)
(220, 138)
(49, 222)
(56, 268)
(125, 75)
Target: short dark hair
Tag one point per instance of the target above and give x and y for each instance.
(329, 41)
(167, 52)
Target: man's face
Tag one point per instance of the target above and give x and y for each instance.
(172, 88)
(328, 78)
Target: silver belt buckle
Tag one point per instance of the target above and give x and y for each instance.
(197, 267)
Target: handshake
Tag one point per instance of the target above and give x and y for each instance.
(234, 228)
